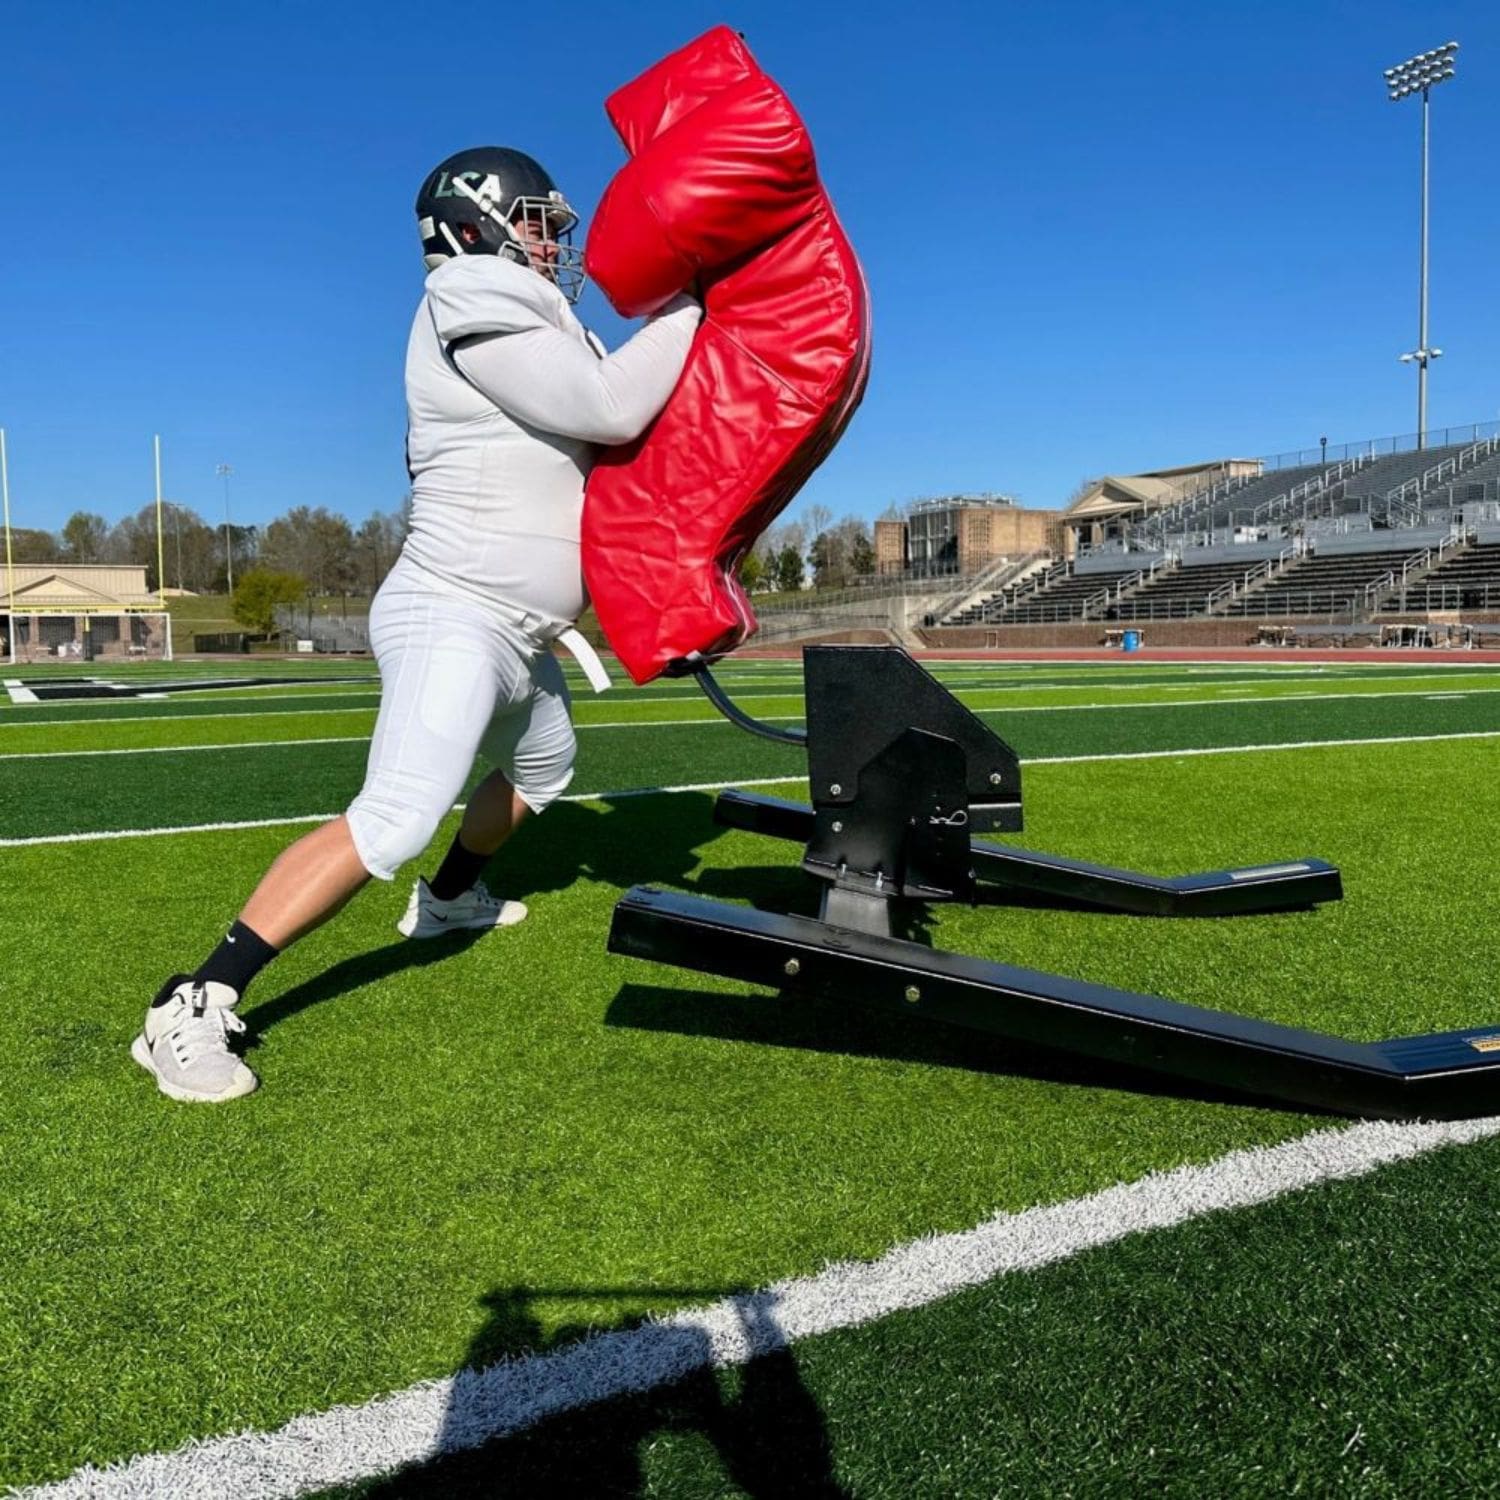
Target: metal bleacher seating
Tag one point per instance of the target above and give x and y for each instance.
(1180, 593)
(1062, 596)
(1335, 584)
(1467, 579)
(1384, 475)
(1236, 504)
(1476, 484)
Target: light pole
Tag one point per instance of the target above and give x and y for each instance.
(224, 471)
(1418, 75)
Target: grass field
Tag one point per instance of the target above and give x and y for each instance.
(475, 1151)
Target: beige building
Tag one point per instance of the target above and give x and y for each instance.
(1109, 504)
(83, 609)
(963, 534)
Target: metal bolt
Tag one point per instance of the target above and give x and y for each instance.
(835, 789)
(913, 994)
(791, 968)
(837, 826)
(996, 778)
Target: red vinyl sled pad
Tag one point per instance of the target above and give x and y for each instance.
(722, 190)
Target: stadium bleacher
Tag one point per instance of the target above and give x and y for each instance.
(1229, 507)
(1330, 584)
(1062, 596)
(1466, 579)
(1181, 593)
(1471, 486)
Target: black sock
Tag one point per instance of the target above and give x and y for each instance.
(238, 959)
(459, 870)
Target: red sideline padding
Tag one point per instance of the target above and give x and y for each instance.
(722, 190)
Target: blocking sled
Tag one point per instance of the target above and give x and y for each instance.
(901, 776)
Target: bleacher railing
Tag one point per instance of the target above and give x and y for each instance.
(1371, 448)
(1449, 468)
(1450, 598)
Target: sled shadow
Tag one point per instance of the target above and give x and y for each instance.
(816, 1022)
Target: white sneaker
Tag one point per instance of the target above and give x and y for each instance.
(184, 1044)
(428, 917)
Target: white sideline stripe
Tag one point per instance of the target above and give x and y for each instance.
(1383, 739)
(351, 1443)
(342, 739)
(699, 720)
(714, 786)
(147, 833)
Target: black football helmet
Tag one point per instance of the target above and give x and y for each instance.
(491, 200)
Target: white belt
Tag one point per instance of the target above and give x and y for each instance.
(569, 637)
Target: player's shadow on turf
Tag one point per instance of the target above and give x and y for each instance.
(353, 974)
(621, 841)
(618, 1391)
(822, 1023)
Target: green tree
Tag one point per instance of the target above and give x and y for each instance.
(752, 572)
(827, 561)
(862, 554)
(258, 592)
(314, 543)
(28, 546)
(789, 572)
(84, 536)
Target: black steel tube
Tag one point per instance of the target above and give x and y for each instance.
(737, 716)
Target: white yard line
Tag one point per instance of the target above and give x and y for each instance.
(352, 1443)
(341, 739)
(699, 719)
(147, 833)
(712, 786)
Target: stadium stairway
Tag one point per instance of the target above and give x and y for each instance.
(992, 588)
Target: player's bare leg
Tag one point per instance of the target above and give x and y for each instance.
(307, 883)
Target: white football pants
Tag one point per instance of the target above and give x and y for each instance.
(456, 682)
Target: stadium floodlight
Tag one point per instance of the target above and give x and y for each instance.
(1419, 75)
(10, 572)
(224, 471)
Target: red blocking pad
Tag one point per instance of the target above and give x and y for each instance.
(721, 192)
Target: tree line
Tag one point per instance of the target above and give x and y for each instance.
(323, 551)
(814, 548)
(312, 551)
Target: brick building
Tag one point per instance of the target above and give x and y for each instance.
(77, 609)
(963, 534)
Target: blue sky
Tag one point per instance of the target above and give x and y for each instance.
(1099, 236)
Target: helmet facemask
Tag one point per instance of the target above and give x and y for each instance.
(538, 233)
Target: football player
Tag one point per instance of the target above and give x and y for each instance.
(509, 399)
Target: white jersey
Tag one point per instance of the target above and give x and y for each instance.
(508, 399)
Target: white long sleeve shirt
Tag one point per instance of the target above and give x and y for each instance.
(507, 402)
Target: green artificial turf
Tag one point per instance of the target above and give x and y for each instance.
(42, 797)
(524, 1118)
(1330, 1343)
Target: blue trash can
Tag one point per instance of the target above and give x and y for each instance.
(1131, 641)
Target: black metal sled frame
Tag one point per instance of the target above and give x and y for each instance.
(901, 773)
(1215, 893)
(1448, 1075)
